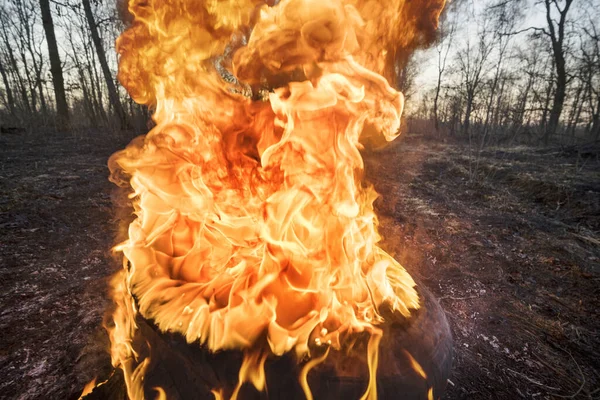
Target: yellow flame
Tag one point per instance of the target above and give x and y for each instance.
(306, 369)
(88, 388)
(253, 371)
(415, 365)
(218, 393)
(373, 356)
(161, 393)
(430, 394)
(254, 231)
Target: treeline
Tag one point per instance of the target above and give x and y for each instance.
(58, 66)
(502, 71)
(511, 71)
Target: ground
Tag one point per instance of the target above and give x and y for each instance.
(56, 230)
(510, 246)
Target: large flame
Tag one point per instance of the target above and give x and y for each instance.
(253, 228)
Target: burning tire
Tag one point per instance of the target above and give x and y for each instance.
(255, 243)
(415, 361)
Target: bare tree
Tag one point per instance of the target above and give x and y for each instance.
(443, 48)
(28, 19)
(9, 95)
(531, 74)
(18, 31)
(94, 77)
(505, 16)
(590, 50)
(110, 84)
(62, 109)
(556, 33)
(88, 103)
(14, 66)
(405, 78)
(471, 64)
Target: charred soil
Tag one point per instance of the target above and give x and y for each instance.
(508, 241)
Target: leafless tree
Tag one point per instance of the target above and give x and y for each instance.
(108, 76)
(504, 16)
(446, 32)
(590, 58)
(472, 62)
(62, 109)
(9, 53)
(556, 33)
(10, 102)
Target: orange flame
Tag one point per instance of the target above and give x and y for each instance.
(415, 365)
(252, 220)
(87, 389)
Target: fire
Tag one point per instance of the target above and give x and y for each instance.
(254, 231)
(87, 389)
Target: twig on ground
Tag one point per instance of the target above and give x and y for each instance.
(548, 365)
(587, 238)
(457, 298)
(549, 387)
(532, 380)
(580, 373)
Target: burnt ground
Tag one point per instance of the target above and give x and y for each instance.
(513, 255)
(56, 230)
(512, 252)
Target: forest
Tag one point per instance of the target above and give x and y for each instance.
(490, 197)
(500, 72)
(58, 67)
(516, 72)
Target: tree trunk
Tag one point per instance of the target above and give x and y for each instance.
(519, 113)
(9, 95)
(489, 112)
(595, 131)
(436, 118)
(88, 102)
(574, 114)
(500, 116)
(15, 68)
(559, 98)
(30, 82)
(577, 117)
(557, 35)
(62, 109)
(110, 84)
(29, 22)
(467, 120)
(544, 119)
(95, 84)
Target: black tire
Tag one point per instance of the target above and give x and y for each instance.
(187, 371)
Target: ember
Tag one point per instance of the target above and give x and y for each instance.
(254, 231)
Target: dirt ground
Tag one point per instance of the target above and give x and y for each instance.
(512, 252)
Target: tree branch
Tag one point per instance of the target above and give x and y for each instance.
(531, 28)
